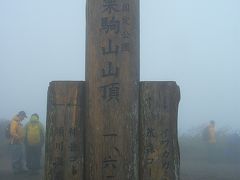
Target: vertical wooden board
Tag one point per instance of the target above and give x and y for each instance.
(159, 150)
(112, 76)
(64, 135)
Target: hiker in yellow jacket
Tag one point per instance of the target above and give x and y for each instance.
(34, 141)
(16, 141)
(211, 143)
(211, 133)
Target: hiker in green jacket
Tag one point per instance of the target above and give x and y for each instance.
(34, 141)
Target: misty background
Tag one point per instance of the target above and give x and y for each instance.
(195, 43)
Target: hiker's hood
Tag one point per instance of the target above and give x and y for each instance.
(34, 118)
(16, 118)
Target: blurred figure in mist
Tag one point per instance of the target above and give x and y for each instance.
(209, 136)
(211, 133)
(34, 141)
(16, 142)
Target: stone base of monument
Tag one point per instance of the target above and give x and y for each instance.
(156, 150)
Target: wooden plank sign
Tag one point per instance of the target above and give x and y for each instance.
(64, 132)
(159, 150)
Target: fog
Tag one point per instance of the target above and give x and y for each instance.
(195, 43)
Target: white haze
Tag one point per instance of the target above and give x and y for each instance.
(195, 43)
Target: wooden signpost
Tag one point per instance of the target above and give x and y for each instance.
(159, 150)
(112, 127)
(112, 77)
(65, 131)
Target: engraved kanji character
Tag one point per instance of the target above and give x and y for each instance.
(60, 132)
(110, 6)
(165, 143)
(149, 101)
(150, 172)
(110, 139)
(149, 148)
(150, 161)
(72, 132)
(125, 7)
(59, 146)
(166, 165)
(58, 161)
(110, 135)
(110, 50)
(109, 167)
(51, 131)
(111, 91)
(110, 24)
(166, 154)
(58, 175)
(164, 134)
(57, 166)
(109, 71)
(73, 147)
(151, 133)
(125, 20)
(73, 158)
(125, 47)
(109, 162)
(125, 35)
(74, 170)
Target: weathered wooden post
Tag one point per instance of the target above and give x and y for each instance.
(130, 131)
(112, 78)
(159, 150)
(64, 133)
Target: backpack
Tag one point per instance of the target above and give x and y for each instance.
(33, 133)
(7, 131)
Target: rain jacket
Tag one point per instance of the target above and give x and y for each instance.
(211, 134)
(36, 123)
(16, 131)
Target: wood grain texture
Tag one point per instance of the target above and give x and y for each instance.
(112, 76)
(159, 150)
(64, 153)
